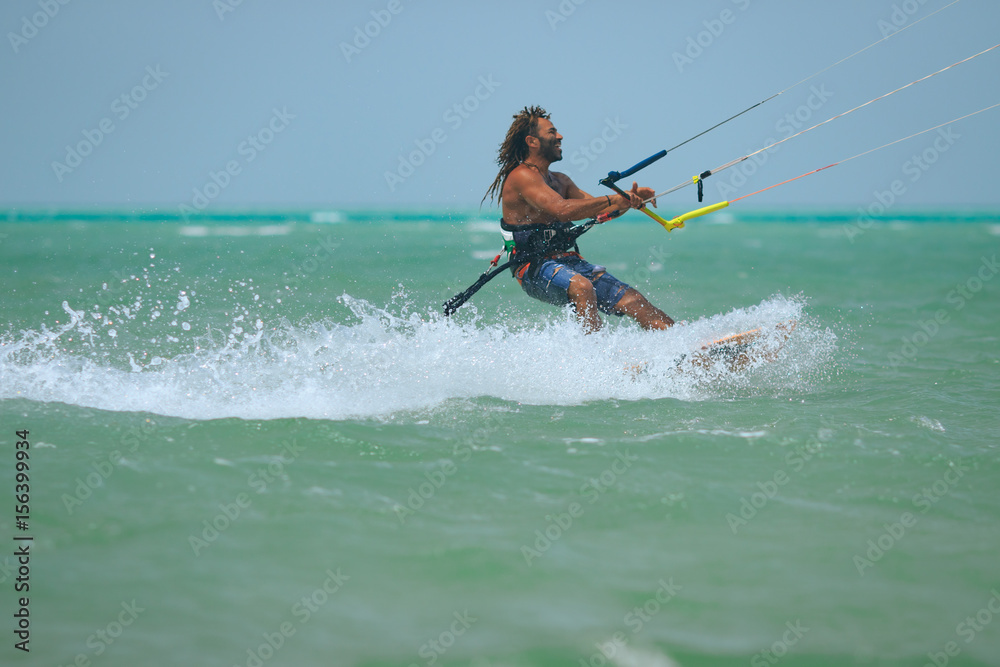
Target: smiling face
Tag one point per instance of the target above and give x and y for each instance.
(549, 141)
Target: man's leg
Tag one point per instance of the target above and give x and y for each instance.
(639, 308)
(584, 299)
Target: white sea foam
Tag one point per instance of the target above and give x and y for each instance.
(235, 230)
(492, 226)
(331, 217)
(376, 362)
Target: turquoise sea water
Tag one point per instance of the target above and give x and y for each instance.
(254, 440)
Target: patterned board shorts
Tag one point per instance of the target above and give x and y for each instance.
(549, 282)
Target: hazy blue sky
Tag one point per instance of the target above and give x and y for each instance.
(230, 104)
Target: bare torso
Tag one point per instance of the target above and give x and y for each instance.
(517, 211)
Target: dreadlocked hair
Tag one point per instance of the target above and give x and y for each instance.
(514, 150)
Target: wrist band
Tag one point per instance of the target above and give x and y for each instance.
(609, 199)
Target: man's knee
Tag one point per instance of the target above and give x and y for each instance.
(580, 287)
(630, 301)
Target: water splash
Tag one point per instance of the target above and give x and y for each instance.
(381, 360)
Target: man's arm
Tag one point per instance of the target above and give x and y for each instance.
(533, 189)
(574, 192)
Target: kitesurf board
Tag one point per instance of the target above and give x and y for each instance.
(740, 350)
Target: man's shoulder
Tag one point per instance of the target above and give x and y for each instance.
(521, 177)
(522, 171)
(562, 178)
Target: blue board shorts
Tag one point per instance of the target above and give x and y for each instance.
(549, 282)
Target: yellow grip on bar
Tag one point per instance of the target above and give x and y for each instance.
(670, 225)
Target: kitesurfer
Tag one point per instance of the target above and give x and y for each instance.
(537, 203)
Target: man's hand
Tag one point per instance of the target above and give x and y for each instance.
(642, 194)
(630, 199)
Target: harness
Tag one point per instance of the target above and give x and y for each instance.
(525, 244)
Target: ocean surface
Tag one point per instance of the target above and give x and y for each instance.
(254, 440)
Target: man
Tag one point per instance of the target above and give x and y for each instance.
(534, 198)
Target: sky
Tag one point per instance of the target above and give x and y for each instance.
(231, 104)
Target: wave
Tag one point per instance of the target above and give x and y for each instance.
(378, 361)
(473, 218)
